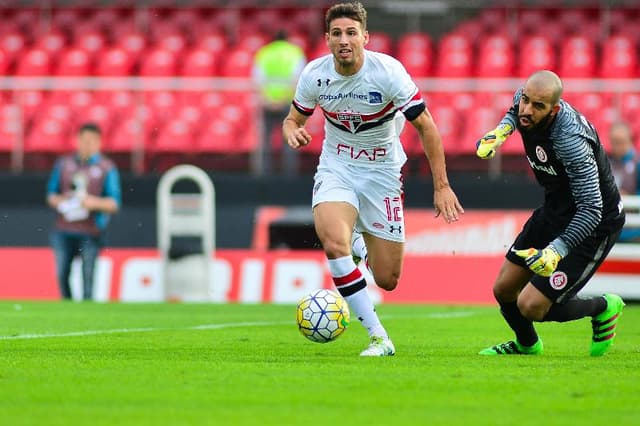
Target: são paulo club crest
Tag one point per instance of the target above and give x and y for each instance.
(541, 154)
(558, 280)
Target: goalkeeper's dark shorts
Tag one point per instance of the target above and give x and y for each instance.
(574, 270)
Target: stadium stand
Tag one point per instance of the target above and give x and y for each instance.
(161, 41)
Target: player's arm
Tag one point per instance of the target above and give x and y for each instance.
(110, 200)
(445, 200)
(54, 195)
(293, 129)
(487, 145)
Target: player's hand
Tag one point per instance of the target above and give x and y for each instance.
(446, 204)
(487, 146)
(541, 262)
(299, 138)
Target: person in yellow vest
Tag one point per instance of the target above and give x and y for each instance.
(276, 69)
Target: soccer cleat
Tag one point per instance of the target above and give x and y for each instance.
(604, 325)
(379, 346)
(512, 347)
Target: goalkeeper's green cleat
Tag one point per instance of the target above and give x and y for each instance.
(512, 347)
(604, 325)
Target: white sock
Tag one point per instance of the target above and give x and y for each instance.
(358, 247)
(352, 286)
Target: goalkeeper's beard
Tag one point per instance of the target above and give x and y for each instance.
(543, 123)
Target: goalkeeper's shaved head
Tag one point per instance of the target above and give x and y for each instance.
(547, 81)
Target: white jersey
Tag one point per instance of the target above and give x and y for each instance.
(359, 109)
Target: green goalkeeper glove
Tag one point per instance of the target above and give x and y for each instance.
(542, 262)
(487, 146)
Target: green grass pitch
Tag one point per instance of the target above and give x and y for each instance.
(209, 364)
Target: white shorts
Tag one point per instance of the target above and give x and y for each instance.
(376, 193)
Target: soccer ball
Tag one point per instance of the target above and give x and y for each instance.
(322, 316)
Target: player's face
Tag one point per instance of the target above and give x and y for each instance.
(621, 141)
(88, 144)
(536, 108)
(346, 40)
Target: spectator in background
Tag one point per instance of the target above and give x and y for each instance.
(625, 165)
(276, 69)
(624, 162)
(84, 190)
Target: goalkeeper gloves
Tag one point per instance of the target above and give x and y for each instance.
(487, 146)
(542, 262)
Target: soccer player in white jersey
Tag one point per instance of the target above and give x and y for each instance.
(358, 180)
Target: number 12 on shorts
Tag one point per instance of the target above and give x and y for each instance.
(394, 209)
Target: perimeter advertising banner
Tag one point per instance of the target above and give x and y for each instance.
(455, 263)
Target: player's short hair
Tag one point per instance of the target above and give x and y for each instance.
(90, 127)
(352, 10)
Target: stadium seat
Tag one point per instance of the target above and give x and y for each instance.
(217, 136)
(478, 121)
(454, 57)
(115, 61)
(238, 63)
(31, 102)
(10, 127)
(128, 136)
(99, 114)
(300, 40)
(380, 42)
(34, 62)
(450, 127)
(531, 20)
(48, 135)
(577, 57)
(174, 43)
(619, 58)
(65, 19)
(73, 62)
(52, 42)
(92, 42)
(315, 127)
(162, 103)
(176, 136)
(213, 42)
(120, 101)
(192, 114)
(495, 58)
(199, 63)
(414, 42)
(537, 53)
(158, 62)
(416, 62)
(132, 42)
(252, 42)
(5, 63)
(59, 111)
(630, 106)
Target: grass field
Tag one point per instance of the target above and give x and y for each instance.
(197, 364)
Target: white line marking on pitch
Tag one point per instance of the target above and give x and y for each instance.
(437, 315)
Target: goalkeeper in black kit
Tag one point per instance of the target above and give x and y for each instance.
(566, 239)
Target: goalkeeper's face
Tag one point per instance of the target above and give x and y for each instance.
(536, 109)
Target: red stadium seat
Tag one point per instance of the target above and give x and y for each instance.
(5, 63)
(132, 42)
(238, 63)
(74, 62)
(176, 136)
(61, 112)
(537, 53)
(127, 136)
(199, 63)
(10, 127)
(34, 62)
(531, 20)
(315, 127)
(98, 114)
(300, 40)
(455, 42)
(416, 62)
(114, 62)
(193, 115)
(479, 120)
(48, 135)
(577, 58)
(380, 42)
(450, 127)
(495, 59)
(218, 136)
(52, 42)
(119, 101)
(454, 63)
(213, 42)
(91, 42)
(619, 58)
(174, 43)
(414, 42)
(253, 41)
(158, 62)
(65, 19)
(31, 102)
(630, 106)
(162, 103)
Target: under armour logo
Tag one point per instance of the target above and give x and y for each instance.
(326, 82)
(393, 229)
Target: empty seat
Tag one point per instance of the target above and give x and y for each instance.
(239, 63)
(214, 42)
(577, 57)
(114, 62)
(175, 136)
(158, 62)
(48, 135)
(380, 42)
(537, 53)
(73, 62)
(199, 63)
(52, 42)
(218, 136)
(92, 42)
(34, 62)
(128, 136)
(417, 62)
(414, 42)
(621, 58)
(495, 58)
